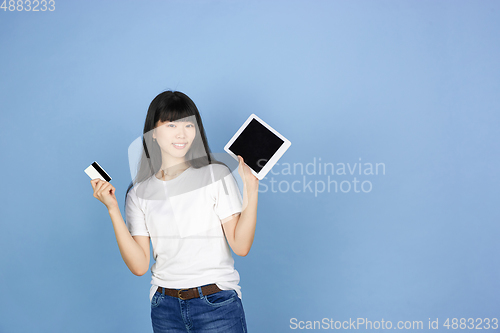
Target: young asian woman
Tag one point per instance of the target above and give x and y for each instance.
(189, 207)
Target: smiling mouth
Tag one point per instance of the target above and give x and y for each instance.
(180, 145)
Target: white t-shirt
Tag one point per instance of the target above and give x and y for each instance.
(182, 216)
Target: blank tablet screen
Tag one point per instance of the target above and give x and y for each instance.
(256, 143)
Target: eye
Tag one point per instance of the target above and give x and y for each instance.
(171, 125)
(190, 125)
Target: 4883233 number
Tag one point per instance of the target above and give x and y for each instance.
(471, 323)
(28, 6)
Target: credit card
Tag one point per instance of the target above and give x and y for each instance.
(96, 171)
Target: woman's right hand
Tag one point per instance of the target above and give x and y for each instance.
(104, 192)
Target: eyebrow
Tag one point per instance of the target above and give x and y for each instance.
(180, 121)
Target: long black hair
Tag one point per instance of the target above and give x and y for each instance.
(171, 106)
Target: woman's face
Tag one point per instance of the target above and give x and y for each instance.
(175, 137)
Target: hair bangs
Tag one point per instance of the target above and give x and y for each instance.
(176, 110)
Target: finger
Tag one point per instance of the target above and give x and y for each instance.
(102, 187)
(110, 188)
(105, 188)
(97, 185)
(97, 182)
(94, 182)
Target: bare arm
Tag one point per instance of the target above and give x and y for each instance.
(134, 250)
(240, 228)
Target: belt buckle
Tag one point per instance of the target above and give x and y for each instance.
(179, 294)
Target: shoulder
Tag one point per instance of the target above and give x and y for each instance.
(220, 170)
(138, 189)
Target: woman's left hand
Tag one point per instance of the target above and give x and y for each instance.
(250, 181)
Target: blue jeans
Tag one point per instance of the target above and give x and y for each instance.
(219, 312)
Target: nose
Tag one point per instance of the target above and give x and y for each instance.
(181, 132)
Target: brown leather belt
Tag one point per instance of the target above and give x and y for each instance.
(185, 294)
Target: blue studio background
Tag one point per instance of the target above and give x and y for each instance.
(409, 85)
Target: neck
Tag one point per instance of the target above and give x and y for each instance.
(174, 167)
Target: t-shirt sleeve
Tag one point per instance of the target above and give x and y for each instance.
(228, 200)
(135, 218)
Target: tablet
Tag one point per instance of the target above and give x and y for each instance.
(260, 145)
